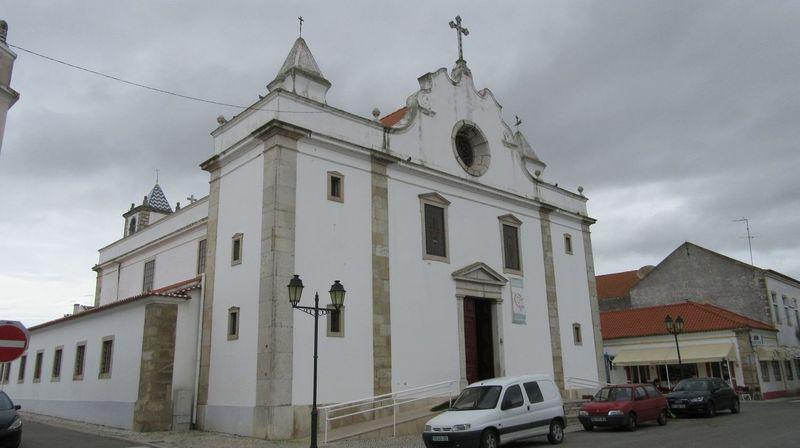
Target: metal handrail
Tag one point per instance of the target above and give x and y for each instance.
(585, 382)
(397, 399)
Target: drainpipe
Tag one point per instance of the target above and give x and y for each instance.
(198, 349)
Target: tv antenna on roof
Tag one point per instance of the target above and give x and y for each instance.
(749, 237)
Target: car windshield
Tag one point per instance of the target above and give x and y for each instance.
(5, 402)
(478, 397)
(613, 394)
(693, 386)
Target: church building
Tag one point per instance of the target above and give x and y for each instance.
(459, 259)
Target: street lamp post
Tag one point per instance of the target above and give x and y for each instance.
(337, 299)
(675, 328)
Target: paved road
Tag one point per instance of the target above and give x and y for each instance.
(40, 435)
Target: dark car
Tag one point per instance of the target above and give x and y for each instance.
(703, 396)
(10, 423)
(624, 405)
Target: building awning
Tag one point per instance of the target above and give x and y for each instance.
(768, 353)
(669, 355)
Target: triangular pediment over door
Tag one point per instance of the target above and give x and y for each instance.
(479, 272)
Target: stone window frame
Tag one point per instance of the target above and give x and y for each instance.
(436, 200)
(777, 370)
(58, 352)
(335, 175)
(144, 275)
(232, 328)
(482, 153)
(75, 364)
(240, 238)
(568, 249)
(511, 220)
(787, 365)
(775, 309)
(23, 361)
(577, 333)
(37, 366)
(5, 372)
(105, 369)
(202, 252)
(764, 367)
(787, 315)
(329, 321)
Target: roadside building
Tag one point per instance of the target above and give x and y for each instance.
(614, 290)
(714, 342)
(460, 261)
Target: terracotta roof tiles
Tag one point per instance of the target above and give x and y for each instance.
(616, 285)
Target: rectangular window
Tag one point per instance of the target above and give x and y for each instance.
(57, 355)
(6, 367)
(509, 230)
(233, 323)
(786, 310)
(568, 243)
(201, 256)
(534, 392)
(435, 243)
(106, 357)
(80, 357)
(789, 372)
(335, 321)
(236, 249)
(775, 308)
(21, 374)
(149, 275)
(37, 366)
(576, 334)
(335, 186)
(764, 371)
(776, 370)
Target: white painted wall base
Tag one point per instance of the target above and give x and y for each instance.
(116, 414)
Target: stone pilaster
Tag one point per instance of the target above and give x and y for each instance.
(381, 310)
(208, 291)
(593, 303)
(552, 297)
(273, 415)
(98, 285)
(747, 361)
(153, 408)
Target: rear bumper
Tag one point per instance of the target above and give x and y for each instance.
(466, 439)
(688, 408)
(603, 420)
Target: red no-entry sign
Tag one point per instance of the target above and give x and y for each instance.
(13, 340)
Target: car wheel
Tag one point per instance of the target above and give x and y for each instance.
(489, 439)
(711, 409)
(632, 425)
(735, 408)
(588, 427)
(556, 434)
(662, 418)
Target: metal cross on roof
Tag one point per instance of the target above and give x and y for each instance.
(459, 31)
(300, 19)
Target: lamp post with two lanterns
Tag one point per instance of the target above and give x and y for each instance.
(337, 299)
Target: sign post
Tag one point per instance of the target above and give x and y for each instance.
(13, 340)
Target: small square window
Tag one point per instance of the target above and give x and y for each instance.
(236, 249)
(149, 276)
(576, 334)
(56, 372)
(335, 321)
(568, 243)
(233, 323)
(37, 366)
(80, 358)
(106, 357)
(335, 186)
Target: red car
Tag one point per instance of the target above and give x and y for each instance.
(624, 405)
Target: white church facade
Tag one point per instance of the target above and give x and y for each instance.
(460, 261)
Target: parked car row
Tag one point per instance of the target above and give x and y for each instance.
(493, 412)
(10, 423)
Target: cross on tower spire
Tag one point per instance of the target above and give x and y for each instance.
(459, 31)
(300, 19)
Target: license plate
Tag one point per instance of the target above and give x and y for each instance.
(678, 406)
(598, 419)
(440, 438)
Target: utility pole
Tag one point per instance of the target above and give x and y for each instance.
(749, 237)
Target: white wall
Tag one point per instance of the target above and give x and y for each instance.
(103, 401)
(787, 330)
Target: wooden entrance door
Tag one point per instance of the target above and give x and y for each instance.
(478, 339)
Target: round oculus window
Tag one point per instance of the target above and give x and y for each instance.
(471, 149)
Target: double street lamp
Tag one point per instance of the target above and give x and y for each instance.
(337, 299)
(675, 328)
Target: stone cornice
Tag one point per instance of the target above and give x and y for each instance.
(269, 129)
(198, 223)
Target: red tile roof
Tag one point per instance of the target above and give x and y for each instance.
(649, 321)
(616, 285)
(175, 290)
(394, 117)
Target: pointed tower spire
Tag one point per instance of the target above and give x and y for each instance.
(158, 201)
(300, 74)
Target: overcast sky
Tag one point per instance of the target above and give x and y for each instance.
(675, 116)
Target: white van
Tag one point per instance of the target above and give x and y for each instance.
(500, 410)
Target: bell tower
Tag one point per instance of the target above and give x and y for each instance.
(8, 96)
(154, 206)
